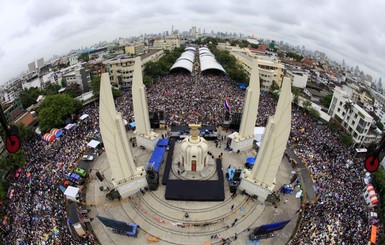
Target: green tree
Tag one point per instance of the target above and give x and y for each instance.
(13, 161)
(52, 88)
(296, 92)
(307, 105)
(163, 65)
(28, 96)
(379, 184)
(3, 191)
(380, 125)
(314, 113)
(116, 92)
(63, 83)
(274, 87)
(334, 125)
(295, 56)
(55, 109)
(147, 80)
(73, 90)
(325, 101)
(346, 139)
(84, 57)
(230, 64)
(95, 85)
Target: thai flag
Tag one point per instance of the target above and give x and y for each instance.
(227, 104)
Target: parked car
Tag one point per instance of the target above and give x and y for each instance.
(80, 172)
(75, 178)
(88, 158)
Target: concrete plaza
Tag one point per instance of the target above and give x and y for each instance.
(166, 219)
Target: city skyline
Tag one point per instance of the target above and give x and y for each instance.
(349, 30)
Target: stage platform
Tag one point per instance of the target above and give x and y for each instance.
(182, 131)
(197, 190)
(167, 167)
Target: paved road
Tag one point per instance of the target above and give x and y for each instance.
(304, 174)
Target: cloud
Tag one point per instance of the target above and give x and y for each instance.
(2, 52)
(41, 12)
(345, 29)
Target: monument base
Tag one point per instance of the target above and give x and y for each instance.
(252, 187)
(148, 142)
(241, 144)
(132, 186)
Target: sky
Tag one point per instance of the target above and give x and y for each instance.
(352, 30)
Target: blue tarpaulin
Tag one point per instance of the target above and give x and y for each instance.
(162, 142)
(156, 158)
(133, 124)
(119, 225)
(250, 160)
(270, 227)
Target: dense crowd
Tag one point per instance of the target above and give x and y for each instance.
(36, 213)
(194, 99)
(340, 216)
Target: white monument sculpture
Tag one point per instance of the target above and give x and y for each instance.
(194, 150)
(125, 176)
(243, 140)
(144, 136)
(260, 180)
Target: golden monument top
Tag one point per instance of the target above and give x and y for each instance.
(194, 130)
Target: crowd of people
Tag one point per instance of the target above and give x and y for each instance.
(36, 213)
(340, 216)
(200, 98)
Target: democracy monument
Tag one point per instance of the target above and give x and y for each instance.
(191, 169)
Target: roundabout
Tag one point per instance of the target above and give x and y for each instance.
(166, 222)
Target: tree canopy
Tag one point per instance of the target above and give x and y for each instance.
(230, 64)
(95, 85)
(28, 96)
(163, 65)
(73, 90)
(55, 109)
(84, 57)
(325, 101)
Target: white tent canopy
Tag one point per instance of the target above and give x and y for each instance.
(208, 61)
(71, 193)
(186, 60)
(258, 133)
(69, 126)
(84, 116)
(93, 143)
